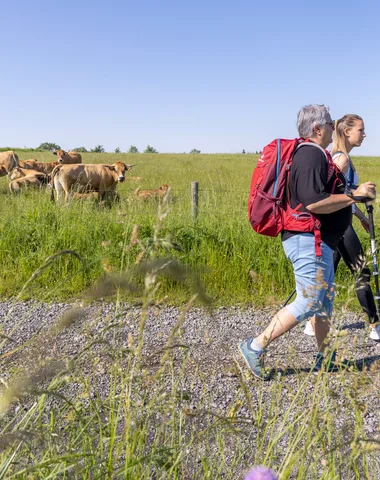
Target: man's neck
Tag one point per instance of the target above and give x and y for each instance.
(318, 141)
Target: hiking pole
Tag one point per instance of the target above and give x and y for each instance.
(375, 271)
(288, 299)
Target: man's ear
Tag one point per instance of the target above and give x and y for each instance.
(317, 130)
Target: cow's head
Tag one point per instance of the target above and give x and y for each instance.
(30, 164)
(120, 169)
(61, 154)
(16, 173)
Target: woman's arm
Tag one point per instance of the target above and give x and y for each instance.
(358, 213)
(363, 219)
(342, 162)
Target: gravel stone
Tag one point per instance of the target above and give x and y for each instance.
(209, 342)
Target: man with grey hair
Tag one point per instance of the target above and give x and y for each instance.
(321, 194)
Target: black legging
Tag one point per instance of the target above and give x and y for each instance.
(349, 248)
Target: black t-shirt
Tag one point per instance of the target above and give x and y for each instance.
(308, 183)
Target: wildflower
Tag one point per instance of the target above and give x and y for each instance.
(260, 473)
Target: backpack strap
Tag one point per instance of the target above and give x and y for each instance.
(311, 144)
(331, 168)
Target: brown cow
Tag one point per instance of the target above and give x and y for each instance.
(29, 181)
(24, 163)
(158, 193)
(8, 161)
(68, 157)
(86, 196)
(20, 172)
(43, 167)
(85, 178)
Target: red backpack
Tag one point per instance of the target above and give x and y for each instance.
(269, 210)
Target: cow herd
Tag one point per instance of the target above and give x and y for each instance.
(69, 177)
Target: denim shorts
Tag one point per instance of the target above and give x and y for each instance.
(314, 277)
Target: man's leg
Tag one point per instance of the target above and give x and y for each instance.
(321, 326)
(313, 278)
(322, 322)
(282, 322)
(336, 257)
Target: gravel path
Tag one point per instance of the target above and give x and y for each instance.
(211, 379)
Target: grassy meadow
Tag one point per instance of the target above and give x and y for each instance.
(95, 396)
(235, 265)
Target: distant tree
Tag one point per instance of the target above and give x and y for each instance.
(117, 150)
(98, 149)
(49, 146)
(80, 150)
(243, 151)
(133, 149)
(194, 150)
(150, 149)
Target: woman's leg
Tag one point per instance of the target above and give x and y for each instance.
(353, 255)
(337, 255)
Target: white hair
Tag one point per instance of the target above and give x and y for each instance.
(309, 117)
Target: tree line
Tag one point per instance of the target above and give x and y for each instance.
(51, 147)
(100, 149)
(97, 149)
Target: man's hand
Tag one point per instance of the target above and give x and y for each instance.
(367, 190)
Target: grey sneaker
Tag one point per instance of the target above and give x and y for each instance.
(253, 359)
(320, 361)
(329, 363)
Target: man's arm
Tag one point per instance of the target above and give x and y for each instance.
(331, 204)
(335, 202)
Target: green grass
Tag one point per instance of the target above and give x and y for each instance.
(236, 265)
(115, 408)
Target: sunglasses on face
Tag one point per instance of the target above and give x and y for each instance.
(332, 124)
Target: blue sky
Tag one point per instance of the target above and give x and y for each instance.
(219, 76)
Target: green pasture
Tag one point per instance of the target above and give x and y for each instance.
(118, 406)
(235, 265)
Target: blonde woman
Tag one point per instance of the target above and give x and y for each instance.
(349, 133)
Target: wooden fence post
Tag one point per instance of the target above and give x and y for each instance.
(194, 200)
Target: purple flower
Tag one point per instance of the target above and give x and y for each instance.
(260, 473)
